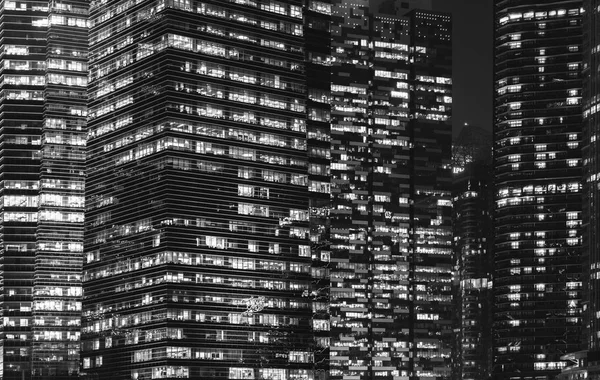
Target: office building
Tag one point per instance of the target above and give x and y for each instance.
(42, 121)
(591, 177)
(537, 168)
(390, 218)
(473, 243)
(198, 258)
(318, 81)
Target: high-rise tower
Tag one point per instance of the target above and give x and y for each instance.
(537, 167)
(391, 256)
(42, 133)
(198, 258)
(473, 241)
(591, 180)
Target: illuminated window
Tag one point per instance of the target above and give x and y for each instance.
(216, 242)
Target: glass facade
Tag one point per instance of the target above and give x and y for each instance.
(59, 257)
(198, 260)
(318, 76)
(473, 243)
(591, 180)
(42, 157)
(538, 189)
(390, 218)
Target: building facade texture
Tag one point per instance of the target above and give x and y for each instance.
(317, 22)
(537, 168)
(390, 218)
(473, 247)
(43, 112)
(591, 190)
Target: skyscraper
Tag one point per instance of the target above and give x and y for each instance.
(473, 243)
(318, 80)
(390, 219)
(591, 177)
(43, 115)
(198, 258)
(537, 165)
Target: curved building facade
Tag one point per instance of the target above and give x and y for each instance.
(537, 159)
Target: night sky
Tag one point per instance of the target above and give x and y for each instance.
(472, 61)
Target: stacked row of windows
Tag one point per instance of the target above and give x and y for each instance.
(236, 301)
(209, 149)
(196, 45)
(216, 91)
(238, 15)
